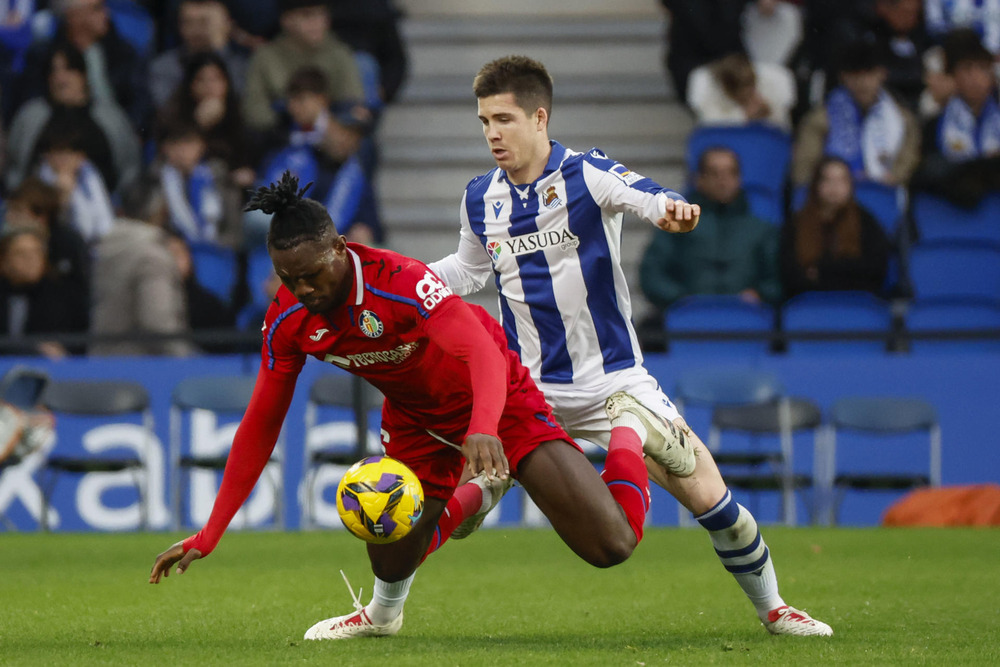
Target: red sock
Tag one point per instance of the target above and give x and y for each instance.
(626, 476)
(465, 502)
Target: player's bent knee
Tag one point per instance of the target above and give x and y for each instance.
(612, 550)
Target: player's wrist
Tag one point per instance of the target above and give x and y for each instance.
(199, 542)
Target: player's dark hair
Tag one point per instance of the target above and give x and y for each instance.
(527, 79)
(295, 219)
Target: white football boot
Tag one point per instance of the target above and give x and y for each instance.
(665, 443)
(493, 490)
(353, 625)
(791, 621)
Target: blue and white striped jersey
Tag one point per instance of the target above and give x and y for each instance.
(554, 248)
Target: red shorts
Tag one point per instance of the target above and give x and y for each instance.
(526, 423)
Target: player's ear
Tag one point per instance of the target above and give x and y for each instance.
(541, 118)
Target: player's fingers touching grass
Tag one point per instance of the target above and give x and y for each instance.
(167, 559)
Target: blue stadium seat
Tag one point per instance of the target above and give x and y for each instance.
(937, 219)
(884, 202)
(973, 316)
(216, 269)
(259, 270)
(134, 24)
(764, 152)
(842, 312)
(766, 204)
(955, 270)
(728, 314)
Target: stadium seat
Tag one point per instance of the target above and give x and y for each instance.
(753, 402)
(723, 315)
(338, 443)
(371, 74)
(764, 152)
(955, 270)
(99, 400)
(259, 270)
(861, 322)
(216, 268)
(979, 318)
(885, 203)
(194, 440)
(766, 204)
(877, 425)
(937, 219)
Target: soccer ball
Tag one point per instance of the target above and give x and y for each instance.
(379, 499)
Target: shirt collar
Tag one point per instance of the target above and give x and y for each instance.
(556, 157)
(359, 279)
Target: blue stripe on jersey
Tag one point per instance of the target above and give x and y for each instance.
(536, 281)
(475, 209)
(586, 221)
(269, 339)
(398, 299)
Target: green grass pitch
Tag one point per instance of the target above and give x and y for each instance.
(502, 597)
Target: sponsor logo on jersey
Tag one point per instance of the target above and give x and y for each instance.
(624, 175)
(370, 324)
(431, 291)
(563, 239)
(551, 197)
(598, 154)
(394, 356)
(497, 207)
(494, 249)
(319, 334)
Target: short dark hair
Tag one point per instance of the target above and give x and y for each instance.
(527, 79)
(39, 197)
(63, 132)
(703, 158)
(963, 45)
(292, 5)
(308, 79)
(859, 55)
(295, 219)
(181, 130)
(144, 200)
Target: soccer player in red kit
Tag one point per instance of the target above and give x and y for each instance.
(454, 396)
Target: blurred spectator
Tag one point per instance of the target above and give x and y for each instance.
(699, 32)
(833, 243)
(34, 301)
(829, 24)
(137, 286)
(115, 71)
(205, 311)
(262, 294)
(373, 26)
(82, 193)
(860, 123)
(939, 86)
(981, 16)
(15, 38)
(201, 205)
(36, 204)
(734, 91)
(305, 40)
(901, 39)
(108, 139)
(207, 99)
(772, 31)
(312, 145)
(204, 27)
(961, 156)
(731, 251)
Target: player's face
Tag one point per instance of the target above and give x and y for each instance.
(518, 141)
(318, 274)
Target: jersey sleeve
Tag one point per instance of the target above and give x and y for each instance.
(467, 269)
(614, 187)
(278, 351)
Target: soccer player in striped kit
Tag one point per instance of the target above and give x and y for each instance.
(546, 224)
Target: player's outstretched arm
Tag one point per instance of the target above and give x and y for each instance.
(679, 216)
(166, 560)
(484, 453)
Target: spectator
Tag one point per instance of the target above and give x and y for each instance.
(772, 31)
(699, 32)
(201, 205)
(114, 70)
(109, 141)
(207, 99)
(305, 40)
(833, 243)
(901, 39)
(205, 311)
(982, 17)
(33, 301)
(205, 27)
(961, 157)
(137, 287)
(939, 86)
(15, 38)
(82, 193)
(730, 252)
(315, 147)
(373, 27)
(860, 123)
(735, 91)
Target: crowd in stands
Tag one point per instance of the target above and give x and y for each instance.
(132, 132)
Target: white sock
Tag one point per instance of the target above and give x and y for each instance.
(629, 420)
(388, 599)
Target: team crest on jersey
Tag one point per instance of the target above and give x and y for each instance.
(370, 324)
(563, 239)
(624, 175)
(551, 197)
(494, 249)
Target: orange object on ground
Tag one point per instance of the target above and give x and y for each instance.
(974, 505)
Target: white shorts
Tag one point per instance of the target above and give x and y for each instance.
(580, 408)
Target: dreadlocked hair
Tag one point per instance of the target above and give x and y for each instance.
(295, 218)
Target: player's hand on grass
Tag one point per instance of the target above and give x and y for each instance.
(485, 453)
(166, 560)
(679, 216)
